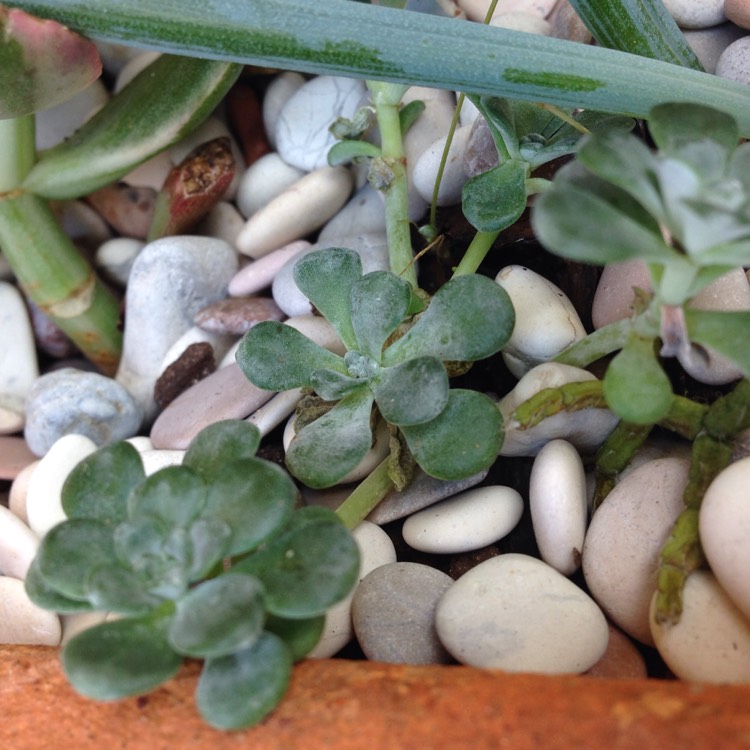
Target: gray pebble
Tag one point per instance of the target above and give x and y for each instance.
(393, 613)
(71, 401)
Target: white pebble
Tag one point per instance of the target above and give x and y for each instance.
(559, 505)
(223, 221)
(43, 498)
(696, 14)
(465, 522)
(116, 256)
(546, 321)
(521, 21)
(277, 94)
(516, 613)
(734, 63)
(19, 491)
(363, 214)
(476, 10)
(454, 175)
(21, 621)
(259, 274)
(709, 44)
(275, 411)
(55, 124)
(299, 210)
(18, 545)
(265, 179)
(711, 642)
(156, 459)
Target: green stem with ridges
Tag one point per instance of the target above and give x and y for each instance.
(476, 252)
(366, 496)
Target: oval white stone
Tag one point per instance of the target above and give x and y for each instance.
(464, 522)
(711, 642)
(18, 545)
(21, 621)
(516, 613)
(265, 179)
(559, 506)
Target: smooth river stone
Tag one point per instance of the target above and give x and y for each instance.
(476, 10)
(624, 540)
(709, 44)
(279, 90)
(515, 612)
(711, 642)
(621, 661)
(21, 621)
(725, 530)
(464, 522)
(559, 505)
(454, 174)
(264, 180)
(546, 321)
(363, 214)
(259, 274)
(738, 11)
(734, 62)
(615, 293)
(375, 549)
(18, 545)
(393, 613)
(302, 133)
(303, 207)
(585, 429)
(696, 14)
(43, 494)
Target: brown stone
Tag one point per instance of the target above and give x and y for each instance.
(14, 456)
(194, 364)
(348, 705)
(237, 315)
(622, 660)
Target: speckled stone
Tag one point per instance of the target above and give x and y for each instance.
(696, 14)
(621, 661)
(21, 621)
(734, 63)
(393, 612)
(738, 11)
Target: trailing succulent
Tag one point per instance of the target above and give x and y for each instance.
(206, 560)
(451, 433)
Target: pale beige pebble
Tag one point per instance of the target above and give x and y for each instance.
(265, 179)
(375, 549)
(559, 505)
(133, 67)
(615, 293)
(566, 24)
(115, 257)
(476, 10)
(258, 274)
(12, 419)
(43, 498)
(275, 411)
(153, 460)
(521, 21)
(516, 613)
(141, 443)
(708, 44)
(221, 343)
(738, 11)
(277, 93)
(725, 530)
(454, 174)
(150, 173)
(586, 429)
(223, 221)
(624, 540)
(711, 642)
(546, 321)
(299, 210)
(696, 14)
(621, 661)
(72, 625)
(378, 451)
(18, 545)
(19, 491)
(730, 292)
(363, 214)
(21, 621)
(658, 446)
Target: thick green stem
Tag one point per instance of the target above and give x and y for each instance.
(366, 496)
(475, 253)
(18, 151)
(584, 394)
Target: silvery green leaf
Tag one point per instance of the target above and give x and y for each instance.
(494, 199)
(738, 169)
(725, 332)
(347, 151)
(115, 588)
(333, 386)
(219, 444)
(174, 494)
(499, 114)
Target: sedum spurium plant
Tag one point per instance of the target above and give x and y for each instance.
(451, 433)
(206, 560)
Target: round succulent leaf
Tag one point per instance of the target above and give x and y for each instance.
(350, 150)
(496, 198)
(469, 318)
(411, 392)
(327, 449)
(115, 588)
(333, 386)
(120, 658)
(254, 498)
(721, 331)
(240, 689)
(636, 388)
(219, 444)
(174, 494)
(47, 597)
(209, 539)
(739, 166)
(70, 551)
(326, 278)
(379, 303)
(218, 616)
(300, 635)
(277, 357)
(308, 568)
(462, 440)
(98, 486)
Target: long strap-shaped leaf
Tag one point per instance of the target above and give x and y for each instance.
(643, 27)
(373, 42)
(161, 105)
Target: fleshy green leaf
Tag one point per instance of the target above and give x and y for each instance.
(409, 114)
(120, 658)
(725, 332)
(635, 386)
(70, 551)
(411, 392)
(218, 616)
(42, 63)
(254, 498)
(209, 539)
(308, 568)
(157, 108)
(379, 303)
(344, 152)
(469, 318)
(300, 635)
(47, 597)
(463, 440)
(326, 278)
(277, 357)
(500, 116)
(114, 588)
(327, 449)
(495, 199)
(219, 444)
(333, 386)
(174, 494)
(239, 689)
(98, 486)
